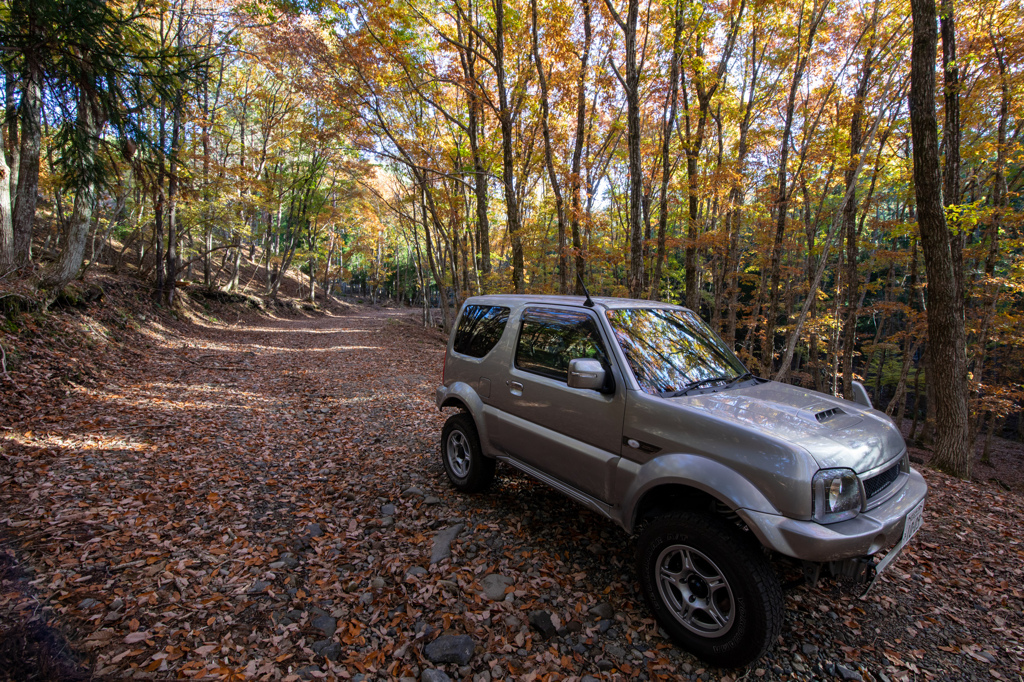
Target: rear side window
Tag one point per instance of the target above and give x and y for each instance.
(480, 328)
(550, 338)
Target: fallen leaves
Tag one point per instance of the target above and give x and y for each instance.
(279, 523)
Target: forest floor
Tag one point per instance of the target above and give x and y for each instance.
(231, 494)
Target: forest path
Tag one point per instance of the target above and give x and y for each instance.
(265, 498)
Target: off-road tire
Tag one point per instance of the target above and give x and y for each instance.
(464, 462)
(729, 619)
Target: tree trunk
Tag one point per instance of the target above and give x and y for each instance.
(946, 335)
(631, 85)
(575, 177)
(28, 170)
(6, 229)
(476, 130)
(172, 211)
(951, 138)
(850, 225)
(666, 144)
(53, 279)
(11, 147)
(737, 197)
(549, 161)
(782, 190)
(507, 154)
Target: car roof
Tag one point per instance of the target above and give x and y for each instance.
(608, 303)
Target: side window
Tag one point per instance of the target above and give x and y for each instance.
(549, 339)
(480, 328)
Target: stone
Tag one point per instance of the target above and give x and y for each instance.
(602, 611)
(431, 499)
(117, 604)
(328, 649)
(378, 583)
(276, 565)
(482, 677)
(289, 560)
(573, 626)
(313, 530)
(88, 603)
(494, 586)
(809, 649)
(389, 510)
(325, 624)
(258, 587)
(308, 672)
(442, 543)
(616, 651)
(541, 621)
(434, 675)
(366, 598)
(414, 490)
(604, 625)
(847, 674)
(605, 665)
(415, 570)
(456, 649)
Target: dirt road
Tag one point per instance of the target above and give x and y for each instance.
(265, 500)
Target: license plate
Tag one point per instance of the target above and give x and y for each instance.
(914, 520)
(910, 528)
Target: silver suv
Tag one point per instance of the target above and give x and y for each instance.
(638, 411)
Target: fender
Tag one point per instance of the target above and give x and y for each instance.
(695, 471)
(461, 394)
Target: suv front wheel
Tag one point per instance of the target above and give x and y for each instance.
(709, 587)
(467, 468)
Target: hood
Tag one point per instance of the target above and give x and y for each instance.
(835, 432)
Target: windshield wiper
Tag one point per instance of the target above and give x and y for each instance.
(697, 384)
(704, 382)
(742, 377)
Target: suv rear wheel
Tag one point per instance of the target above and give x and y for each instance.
(467, 468)
(709, 587)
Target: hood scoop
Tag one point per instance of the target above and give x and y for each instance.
(826, 415)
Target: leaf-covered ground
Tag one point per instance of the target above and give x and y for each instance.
(264, 500)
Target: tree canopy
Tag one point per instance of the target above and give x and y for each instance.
(750, 159)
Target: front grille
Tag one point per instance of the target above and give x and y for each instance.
(877, 484)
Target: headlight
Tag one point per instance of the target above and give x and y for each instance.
(836, 495)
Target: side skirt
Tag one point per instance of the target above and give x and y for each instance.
(610, 512)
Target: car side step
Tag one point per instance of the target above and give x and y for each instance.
(586, 500)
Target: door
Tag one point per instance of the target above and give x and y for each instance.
(572, 434)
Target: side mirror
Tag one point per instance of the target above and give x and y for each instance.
(860, 394)
(586, 373)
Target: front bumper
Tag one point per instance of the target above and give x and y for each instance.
(866, 534)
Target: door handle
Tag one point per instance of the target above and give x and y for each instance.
(515, 387)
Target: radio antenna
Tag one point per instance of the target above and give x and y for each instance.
(589, 302)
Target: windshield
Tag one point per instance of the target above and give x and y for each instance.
(670, 351)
